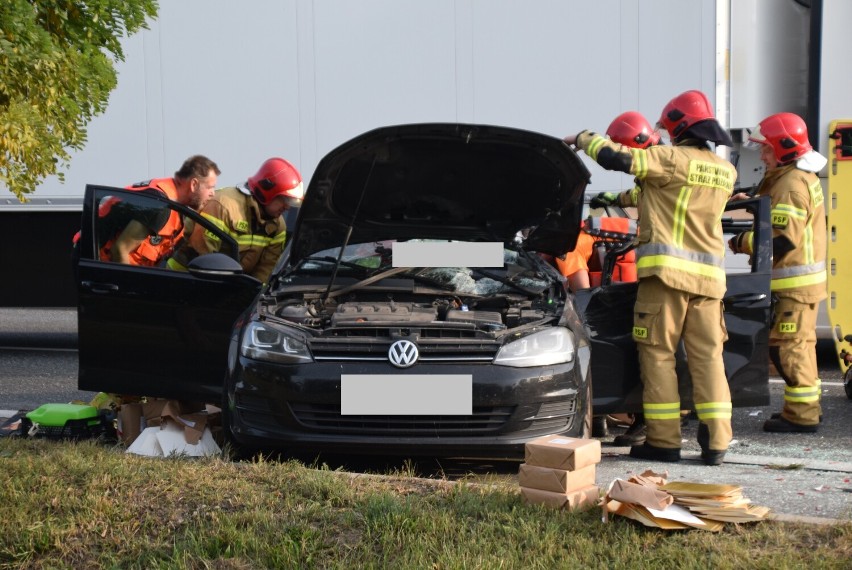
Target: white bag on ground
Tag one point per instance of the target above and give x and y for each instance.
(169, 439)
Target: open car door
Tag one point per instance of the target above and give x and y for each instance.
(152, 331)
(608, 315)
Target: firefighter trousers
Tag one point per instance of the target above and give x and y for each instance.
(792, 348)
(662, 318)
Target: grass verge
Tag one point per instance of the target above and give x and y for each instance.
(84, 505)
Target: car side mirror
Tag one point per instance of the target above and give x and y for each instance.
(215, 264)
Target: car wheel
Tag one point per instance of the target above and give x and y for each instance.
(586, 430)
(232, 449)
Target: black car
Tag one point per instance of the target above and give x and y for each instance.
(412, 312)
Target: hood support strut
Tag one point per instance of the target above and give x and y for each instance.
(349, 231)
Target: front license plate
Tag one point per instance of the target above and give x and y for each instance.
(406, 394)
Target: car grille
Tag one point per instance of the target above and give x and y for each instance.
(551, 417)
(439, 345)
(484, 420)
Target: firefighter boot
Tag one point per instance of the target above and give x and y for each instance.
(648, 451)
(635, 434)
(708, 456)
(777, 415)
(781, 425)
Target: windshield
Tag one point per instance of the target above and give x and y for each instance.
(520, 272)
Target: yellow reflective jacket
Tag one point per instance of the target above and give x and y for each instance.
(684, 190)
(260, 240)
(798, 214)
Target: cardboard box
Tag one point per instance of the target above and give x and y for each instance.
(556, 480)
(191, 417)
(131, 422)
(560, 452)
(581, 499)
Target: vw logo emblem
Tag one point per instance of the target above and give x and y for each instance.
(403, 353)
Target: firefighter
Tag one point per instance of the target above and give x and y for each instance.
(798, 263)
(148, 237)
(253, 214)
(630, 129)
(680, 253)
(633, 130)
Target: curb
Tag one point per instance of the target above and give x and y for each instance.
(801, 519)
(756, 460)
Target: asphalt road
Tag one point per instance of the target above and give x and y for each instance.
(797, 475)
(38, 358)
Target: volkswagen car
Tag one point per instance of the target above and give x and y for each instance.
(413, 311)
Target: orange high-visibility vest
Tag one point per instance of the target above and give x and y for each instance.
(155, 247)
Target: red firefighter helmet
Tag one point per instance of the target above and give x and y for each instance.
(786, 133)
(276, 177)
(632, 129)
(685, 110)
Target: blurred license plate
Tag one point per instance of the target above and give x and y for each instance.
(406, 394)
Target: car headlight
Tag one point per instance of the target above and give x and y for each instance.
(265, 341)
(551, 346)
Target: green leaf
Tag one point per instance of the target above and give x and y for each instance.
(56, 73)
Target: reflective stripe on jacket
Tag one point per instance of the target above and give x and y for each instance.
(684, 192)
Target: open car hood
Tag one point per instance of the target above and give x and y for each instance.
(444, 181)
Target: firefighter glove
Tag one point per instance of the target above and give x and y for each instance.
(604, 199)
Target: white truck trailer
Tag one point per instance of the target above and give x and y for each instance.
(243, 81)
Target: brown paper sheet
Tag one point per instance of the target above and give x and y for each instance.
(627, 492)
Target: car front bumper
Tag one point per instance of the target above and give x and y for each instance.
(298, 407)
